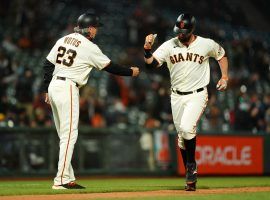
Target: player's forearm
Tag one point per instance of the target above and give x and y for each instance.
(153, 64)
(118, 70)
(149, 60)
(148, 57)
(149, 41)
(223, 63)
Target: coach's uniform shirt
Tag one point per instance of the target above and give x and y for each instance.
(74, 56)
(189, 71)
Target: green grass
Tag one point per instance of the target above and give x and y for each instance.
(241, 196)
(142, 184)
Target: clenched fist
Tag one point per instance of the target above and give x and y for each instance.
(149, 41)
(135, 71)
(222, 84)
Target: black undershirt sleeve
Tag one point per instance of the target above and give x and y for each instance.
(118, 70)
(153, 65)
(48, 68)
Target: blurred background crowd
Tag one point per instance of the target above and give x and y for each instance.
(29, 28)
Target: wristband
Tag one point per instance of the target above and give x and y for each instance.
(147, 53)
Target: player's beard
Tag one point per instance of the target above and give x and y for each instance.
(184, 38)
(91, 34)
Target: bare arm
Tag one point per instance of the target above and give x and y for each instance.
(148, 60)
(223, 63)
(148, 57)
(223, 82)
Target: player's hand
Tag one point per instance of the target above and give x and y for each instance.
(47, 98)
(222, 84)
(149, 41)
(135, 71)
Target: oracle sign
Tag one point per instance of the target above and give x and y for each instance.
(228, 155)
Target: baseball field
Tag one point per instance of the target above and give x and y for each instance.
(139, 188)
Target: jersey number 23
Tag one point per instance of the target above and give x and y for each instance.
(69, 60)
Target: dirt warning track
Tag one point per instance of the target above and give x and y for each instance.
(124, 195)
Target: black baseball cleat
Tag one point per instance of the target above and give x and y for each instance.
(191, 177)
(70, 185)
(190, 186)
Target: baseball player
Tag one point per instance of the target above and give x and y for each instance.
(187, 57)
(67, 68)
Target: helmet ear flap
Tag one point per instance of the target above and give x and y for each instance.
(175, 29)
(83, 31)
(77, 29)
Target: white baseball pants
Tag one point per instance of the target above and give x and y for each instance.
(64, 99)
(186, 111)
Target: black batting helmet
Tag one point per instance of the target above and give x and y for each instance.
(88, 19)
(185, 24)
(85, 21)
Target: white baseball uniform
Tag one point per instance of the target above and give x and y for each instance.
(74, 56)
(189, 71)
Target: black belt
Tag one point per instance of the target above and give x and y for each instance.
(186, 93)
(63, 79)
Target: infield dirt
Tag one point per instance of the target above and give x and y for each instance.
(159, 193)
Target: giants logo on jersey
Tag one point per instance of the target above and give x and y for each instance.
(189, 57)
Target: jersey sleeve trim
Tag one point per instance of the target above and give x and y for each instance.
(106, 65)
(221, 56)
